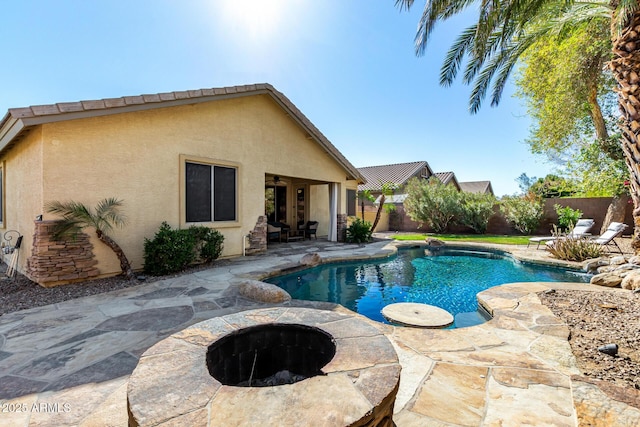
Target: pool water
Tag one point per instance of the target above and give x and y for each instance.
(450, 281)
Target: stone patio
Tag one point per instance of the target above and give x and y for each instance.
(68, 364)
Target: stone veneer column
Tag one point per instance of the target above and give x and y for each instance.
(58, 262)
(342, 227)
(258, 237)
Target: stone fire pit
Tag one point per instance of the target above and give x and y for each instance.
(338, 370)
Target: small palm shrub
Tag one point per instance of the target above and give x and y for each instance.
(359, 231)
(572, 248)
(173, 250)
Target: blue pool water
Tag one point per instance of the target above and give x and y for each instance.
(449, 281)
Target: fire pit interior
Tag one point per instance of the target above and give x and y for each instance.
(270, 355)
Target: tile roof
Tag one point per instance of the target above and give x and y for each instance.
(398, 173)
(483, 187)
(447, 177)
(18, 121)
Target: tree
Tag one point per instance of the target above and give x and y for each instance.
(476, 210)
(504, 30)
(387, 189)
(76, 217)
(432, 203)
(568, 91)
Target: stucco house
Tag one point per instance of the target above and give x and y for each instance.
(201, 157)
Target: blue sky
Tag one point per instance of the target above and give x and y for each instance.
(348, 65)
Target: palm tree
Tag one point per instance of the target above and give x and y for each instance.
(76, 216)
(491, 45)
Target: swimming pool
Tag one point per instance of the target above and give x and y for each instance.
(449, 280)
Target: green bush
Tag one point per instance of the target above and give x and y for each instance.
(172, 251)
(359, 231)
(523, 213)
(476, 211)
(209, 243)
(573, 248)
(432, 203)
(567, 217)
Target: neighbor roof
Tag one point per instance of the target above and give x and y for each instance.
(447, 178)
(398, 173)
(18, 121)
(482, 187)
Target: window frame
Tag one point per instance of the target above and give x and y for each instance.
(213, 163)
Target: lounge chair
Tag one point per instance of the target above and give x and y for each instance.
(607, 238)
(581, 229)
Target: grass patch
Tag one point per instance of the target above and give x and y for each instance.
(479, 238)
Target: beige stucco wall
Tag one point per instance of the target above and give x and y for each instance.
(137, 157)
(22, 179)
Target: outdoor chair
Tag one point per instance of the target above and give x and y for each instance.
(274, 232)
(581, 229)
(276, 229)
(311, 229)
(607, 238)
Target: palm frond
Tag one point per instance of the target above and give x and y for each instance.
(455, 55)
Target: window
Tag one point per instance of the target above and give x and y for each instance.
(351, 202)
(210, 193)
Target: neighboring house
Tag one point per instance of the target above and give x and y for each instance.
(479, 187)
(399, 174)
(203, 157)
(448, 178)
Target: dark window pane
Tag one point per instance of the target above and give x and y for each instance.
(351, 202)
(198, 192)
(224, 194)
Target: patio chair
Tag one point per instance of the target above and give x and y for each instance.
(607, 238)
(276, 229)
(274, 232)
(311, 229)
(581, 229)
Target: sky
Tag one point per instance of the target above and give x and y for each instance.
(349, 66)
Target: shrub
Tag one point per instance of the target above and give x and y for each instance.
(169, 251)
(573, 248)
(359, 231)
(567, 217)
(172, 250)
(523, 213)
(209, 243)
(432, 203)
(476, 211)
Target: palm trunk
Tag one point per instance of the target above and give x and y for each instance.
(625, 67)
(124, 262)
(378, 212)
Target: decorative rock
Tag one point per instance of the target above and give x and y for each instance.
(593, 265)
(606, 269)
(311, 260)
(617, 260)
(433, 242)
(416, 314)
(634, 260)
(631, 280)
(606, 279)
(610, 349)
(263, 292)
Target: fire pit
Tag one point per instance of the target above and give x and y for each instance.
(269, 355)
(278, 366)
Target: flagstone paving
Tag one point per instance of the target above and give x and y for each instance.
(68, 364)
